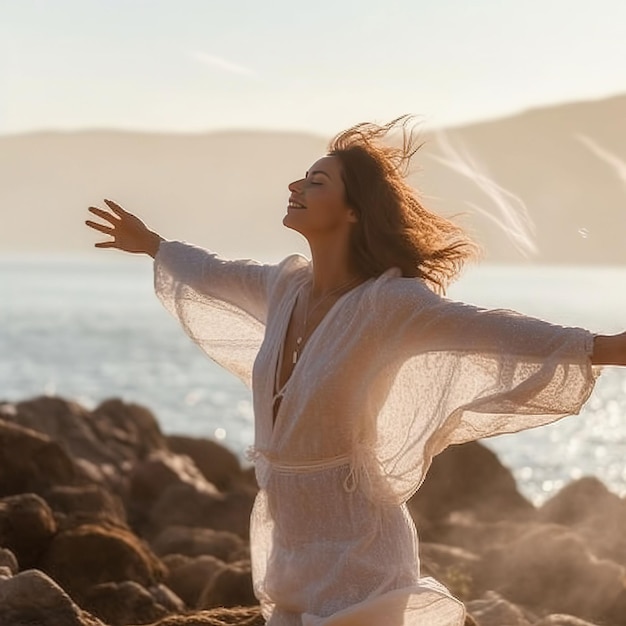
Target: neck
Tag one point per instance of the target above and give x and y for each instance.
(331, 267)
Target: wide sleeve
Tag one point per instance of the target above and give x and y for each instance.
(462, 373)
(221, 304)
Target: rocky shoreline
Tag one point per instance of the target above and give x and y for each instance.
(105, 520)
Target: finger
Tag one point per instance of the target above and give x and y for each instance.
(105, 244)
(105, 215)
(116, 208)
(100, 227)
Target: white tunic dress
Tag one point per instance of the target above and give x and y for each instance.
(392, 375)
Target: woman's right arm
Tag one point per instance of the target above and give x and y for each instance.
(129, 233)
(181, 266)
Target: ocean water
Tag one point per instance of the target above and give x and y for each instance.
(90, 328)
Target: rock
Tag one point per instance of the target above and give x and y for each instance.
(128, 602)
(197, 541)
(248, 477)
(130, 430)
(584, 506)
(31, 597)
(551, 569)
(67, 423)
(189, 579)
(8, 560)
(160, 470)
(27, 526)
(230, 586)
(87, 503)
(183, 505)
(167, 598)
(454, 567)
(88, 555)
(218, 465)
(31, 462)
(240, 616)
(242, 554)
(494, 610)
(463, 530)
(469, 477)
(173, 561)
(578, 501)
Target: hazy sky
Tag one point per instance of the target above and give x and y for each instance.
(317, 66)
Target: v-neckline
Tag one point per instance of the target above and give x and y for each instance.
(279, 394)
(278, 361)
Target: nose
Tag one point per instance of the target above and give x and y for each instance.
(295, 185)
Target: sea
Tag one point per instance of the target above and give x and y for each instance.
(90, 328)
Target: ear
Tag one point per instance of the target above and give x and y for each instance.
(353, 218)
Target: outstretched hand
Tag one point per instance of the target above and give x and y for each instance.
(129, 233)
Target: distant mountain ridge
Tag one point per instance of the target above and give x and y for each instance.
(228, 190)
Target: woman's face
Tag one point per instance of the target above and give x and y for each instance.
(317, 202)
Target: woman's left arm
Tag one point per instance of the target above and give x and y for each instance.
(609, 349)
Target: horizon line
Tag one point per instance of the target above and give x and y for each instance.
(227, 129)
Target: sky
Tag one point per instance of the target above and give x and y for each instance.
(315, 66)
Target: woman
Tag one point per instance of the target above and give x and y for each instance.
(361, 373)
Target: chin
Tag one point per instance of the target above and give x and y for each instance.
(290, 223)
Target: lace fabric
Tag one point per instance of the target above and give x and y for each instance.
(392, 375)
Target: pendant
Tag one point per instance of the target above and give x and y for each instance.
(294, 358)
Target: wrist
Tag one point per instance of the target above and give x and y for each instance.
(153, 243)
(609, 349)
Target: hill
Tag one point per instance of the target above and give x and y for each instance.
(228, 190)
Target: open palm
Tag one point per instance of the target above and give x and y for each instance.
(128, 232)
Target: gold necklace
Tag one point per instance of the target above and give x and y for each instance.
(303, 336)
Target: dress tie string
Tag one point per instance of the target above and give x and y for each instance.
(355, 463)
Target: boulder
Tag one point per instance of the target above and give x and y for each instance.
(197, 542)
(183, 505)
(494, 610)
(161, 469)
(454, 567)
(88, 555)
(128, 602)
(8, 561)
(469, 477)
(189, 579)
(31, 597)
(218, 464)
(230, 586)
(67, 423)
(585, 505)
(31, 462)
(130, 430)
(173, 561)
(27, 526)
(580, 500)
(87, 503)
(463, 530)
(551, 569)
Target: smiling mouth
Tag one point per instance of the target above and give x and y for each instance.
(295, 205)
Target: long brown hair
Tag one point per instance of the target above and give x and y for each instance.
(393, 228)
